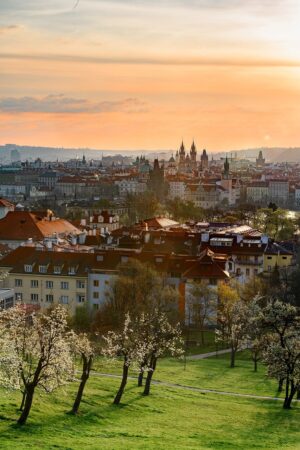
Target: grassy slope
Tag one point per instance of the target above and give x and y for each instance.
(168, 419)
(210, 373)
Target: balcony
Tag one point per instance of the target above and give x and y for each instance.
(247, 262)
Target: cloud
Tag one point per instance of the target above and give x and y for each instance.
(60, 104)
(166, 61)
(8, 28)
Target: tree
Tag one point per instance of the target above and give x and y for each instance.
(141, 206)
(161, 338)
(232, 319)
(35, 353)
(82, 346)
(184, 210)
(124, 343)
(202, 303)
(138, 288)
(282, 352)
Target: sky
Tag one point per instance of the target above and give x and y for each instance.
(141, 74)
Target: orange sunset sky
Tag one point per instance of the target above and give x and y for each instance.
(139, 74)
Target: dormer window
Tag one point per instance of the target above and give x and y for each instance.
(158, 259)
(124, 259)
(72, 270)
(57, 270)
(43, 268)
(28, 268)
(99, 257)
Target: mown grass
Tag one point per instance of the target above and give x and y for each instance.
(169, 418)
(210, 373)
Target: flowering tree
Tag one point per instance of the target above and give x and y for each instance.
(232, 319)
(282, 352)
(82, 346)
(35, 352)
(161, 338)
(124, 343)
(254, 333)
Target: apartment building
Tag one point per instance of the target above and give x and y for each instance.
(44, 278)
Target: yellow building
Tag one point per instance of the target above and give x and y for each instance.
(276, 255)
(45, 278)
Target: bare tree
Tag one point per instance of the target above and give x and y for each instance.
(202, 303)
(36, 352)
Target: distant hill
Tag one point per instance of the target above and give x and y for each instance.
(51, 153)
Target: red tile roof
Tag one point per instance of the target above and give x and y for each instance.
(23, 225)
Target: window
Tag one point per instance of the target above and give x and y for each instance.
(34, 283)
(49, 298)
(80, 298)
(18, 296)
(57, 270)
(124, 259)
(95, 306)
(158, 259)
(80, 284)
(284, 257)
(95, 294)
(34, 297)
(72, 270)
(43, 269)
(28, 268)
(269, 257)
(99, 257)
(49, 284)
(64, 285)
(18, 283)
(96, 283)
(269, 268)
(106, 282)
(247, 272)
(64, 299)
(255, 271)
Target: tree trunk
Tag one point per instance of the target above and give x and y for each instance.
(298, 393)
(232, 357)
(149, 377)
(27, 405)
(140, 378)
(122, 385)
(255, 365)
(290, 391)
(280, 385)
(87, 365)
(23, 400)
(202, 337)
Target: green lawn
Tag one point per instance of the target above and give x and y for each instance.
(169, 418)
(210, 373)
(195, 345)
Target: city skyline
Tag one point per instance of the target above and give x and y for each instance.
(129, 75)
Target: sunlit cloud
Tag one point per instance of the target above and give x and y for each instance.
(61, 104)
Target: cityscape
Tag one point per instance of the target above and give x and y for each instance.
(149, 226)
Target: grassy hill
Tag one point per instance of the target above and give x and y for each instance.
(171, 418)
